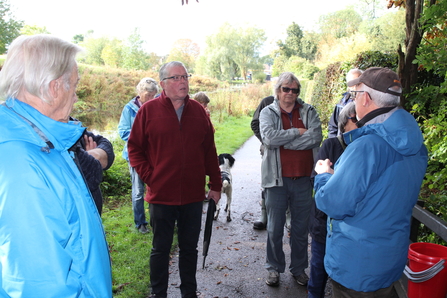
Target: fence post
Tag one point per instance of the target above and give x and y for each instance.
(415, 224)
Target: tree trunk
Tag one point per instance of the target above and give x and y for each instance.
(407, 70)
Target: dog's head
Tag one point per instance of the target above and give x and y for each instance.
(226, 158)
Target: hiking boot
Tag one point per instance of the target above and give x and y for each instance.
(272, 279)
(142, 229)
(301, 279)
(259, 225)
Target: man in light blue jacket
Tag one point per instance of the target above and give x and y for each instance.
(52, 243)
(370, 194)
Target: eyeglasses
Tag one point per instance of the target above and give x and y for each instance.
(353, 94)
(178, 78)
(287, 90)
(353, 119)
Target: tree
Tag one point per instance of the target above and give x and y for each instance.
(407, 70)
(246, 54)
(386, 32)
(78, 38)
(134, 57)
(33, 30)
(9, 26)
(111, 54)
(94, 48)
(292, 45)
(185, 51)
(309, 45)
(339, 24)
(231, 51)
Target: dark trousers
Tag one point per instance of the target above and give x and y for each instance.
(163, 220)
(339, 291)
(318, 276)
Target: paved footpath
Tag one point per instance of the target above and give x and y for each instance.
(234, 266)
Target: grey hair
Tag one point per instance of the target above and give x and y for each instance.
(147, 84)
(286, 78)
(347, 112)
(201, 97)
(164, 70)
(33, 62)
(352, 72)
(382, 99)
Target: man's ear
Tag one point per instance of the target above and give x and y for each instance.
(54, 88)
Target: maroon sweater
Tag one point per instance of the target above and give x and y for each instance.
(174, 157)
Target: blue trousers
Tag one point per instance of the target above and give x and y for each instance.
(139, 215)
(163, 219)
(297, 196)
(318, 276)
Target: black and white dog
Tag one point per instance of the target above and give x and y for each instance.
(226, 161)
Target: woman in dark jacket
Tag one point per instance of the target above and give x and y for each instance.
(332, 148)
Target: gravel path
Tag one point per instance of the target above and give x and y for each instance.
(234, 266)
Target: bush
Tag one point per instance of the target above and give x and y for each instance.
(116, 183)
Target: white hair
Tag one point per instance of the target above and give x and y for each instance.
(164, 70)
(382, 99)
(33, 62)
(147, 84)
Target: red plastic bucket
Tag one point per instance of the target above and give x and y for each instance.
(423, 256)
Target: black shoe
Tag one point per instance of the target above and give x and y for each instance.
(272, 279)
(142, 229)
(301, 279)
(259, 225)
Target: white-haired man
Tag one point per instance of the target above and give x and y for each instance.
(370, 194)
(333, 121)
(52, 243)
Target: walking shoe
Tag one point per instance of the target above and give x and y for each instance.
(301, 279)
(259, 225)
(273, 279)
(143, 229)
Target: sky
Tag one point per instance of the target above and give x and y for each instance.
(162, 22)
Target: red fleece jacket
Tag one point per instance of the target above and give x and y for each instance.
(174, 157)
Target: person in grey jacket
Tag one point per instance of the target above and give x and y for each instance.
(291, 133)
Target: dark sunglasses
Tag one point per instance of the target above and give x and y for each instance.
(287, 90)
(353, 119)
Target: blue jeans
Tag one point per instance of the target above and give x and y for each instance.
(189, 221)
(318, 276)
(296, 195)
(139, 216)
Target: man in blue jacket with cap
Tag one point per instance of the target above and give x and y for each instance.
(370, 194)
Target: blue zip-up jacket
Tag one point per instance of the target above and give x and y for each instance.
(369, 201)
(52, 243)
(127, 119)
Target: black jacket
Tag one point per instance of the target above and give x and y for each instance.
(333, 121)
(91, 167)
(255, 121)
(331, 149)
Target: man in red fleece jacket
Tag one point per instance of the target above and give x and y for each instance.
(172, 149)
